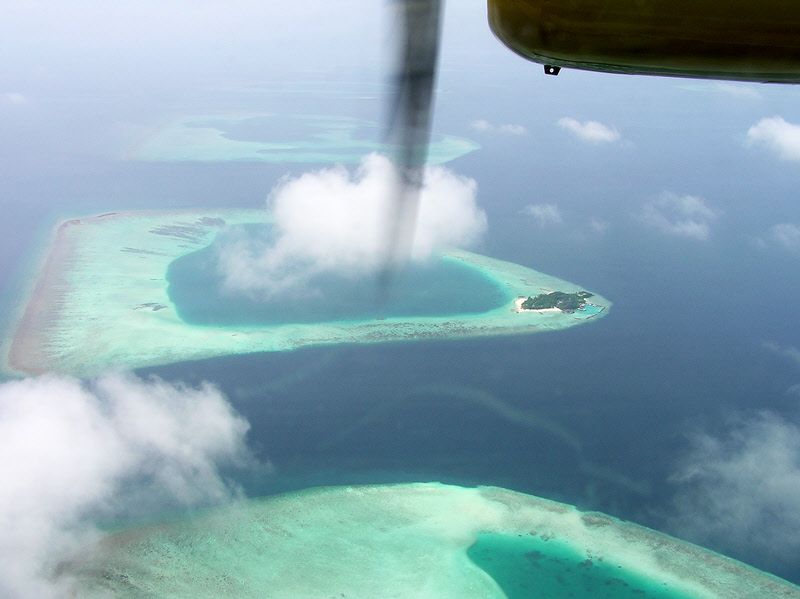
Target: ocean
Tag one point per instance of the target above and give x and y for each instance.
(600, 416)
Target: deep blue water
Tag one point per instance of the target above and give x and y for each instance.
(437, 288)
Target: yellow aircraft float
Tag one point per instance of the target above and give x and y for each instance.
(744, 40)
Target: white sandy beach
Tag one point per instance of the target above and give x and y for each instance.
(521, 300)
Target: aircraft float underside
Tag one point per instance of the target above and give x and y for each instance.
(740, 40)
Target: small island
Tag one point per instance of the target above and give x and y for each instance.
(566, 302)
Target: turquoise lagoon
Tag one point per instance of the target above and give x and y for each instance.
(526, 566)
(438, 288)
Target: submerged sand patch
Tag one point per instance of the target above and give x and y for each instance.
(101, 302)
(408, 541)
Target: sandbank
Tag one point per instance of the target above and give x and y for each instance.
(100, 301)
(409, 541)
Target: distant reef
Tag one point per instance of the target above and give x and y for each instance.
(254, 138)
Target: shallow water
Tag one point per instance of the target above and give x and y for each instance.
(416, 541)
(439, 288)
(528, 566)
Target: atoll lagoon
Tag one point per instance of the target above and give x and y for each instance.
(101, 301)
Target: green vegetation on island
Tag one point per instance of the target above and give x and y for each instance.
(566, 302)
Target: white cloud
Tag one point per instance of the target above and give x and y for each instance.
(545, 214)
(330, 221)
(14, 98)
(598, 225)
(590, 131)
(487, 127)
(741, 491)
(684, 216)
(742, 91)
(792, 354)
(788, 353)
(776, 135)
(119, 445)
(786, 235)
